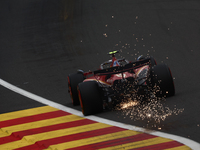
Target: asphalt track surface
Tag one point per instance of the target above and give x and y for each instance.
(43, 41)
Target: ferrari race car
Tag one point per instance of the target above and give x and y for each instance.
(117, 78)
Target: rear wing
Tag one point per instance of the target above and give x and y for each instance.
(121, 69)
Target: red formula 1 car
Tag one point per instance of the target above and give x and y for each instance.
(97, 90)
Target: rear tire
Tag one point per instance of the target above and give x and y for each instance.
(90, 98)
(73, 81)
(161, 76)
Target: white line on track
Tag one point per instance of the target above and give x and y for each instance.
(192, 144)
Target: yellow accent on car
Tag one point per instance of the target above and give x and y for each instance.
(113, 52)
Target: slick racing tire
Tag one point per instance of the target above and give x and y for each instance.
(152, 60)
(73, 81)
(161, 78)
(90, 98)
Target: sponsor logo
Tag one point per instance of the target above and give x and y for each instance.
(120, 75)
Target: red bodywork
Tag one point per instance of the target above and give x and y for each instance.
(108, 80)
